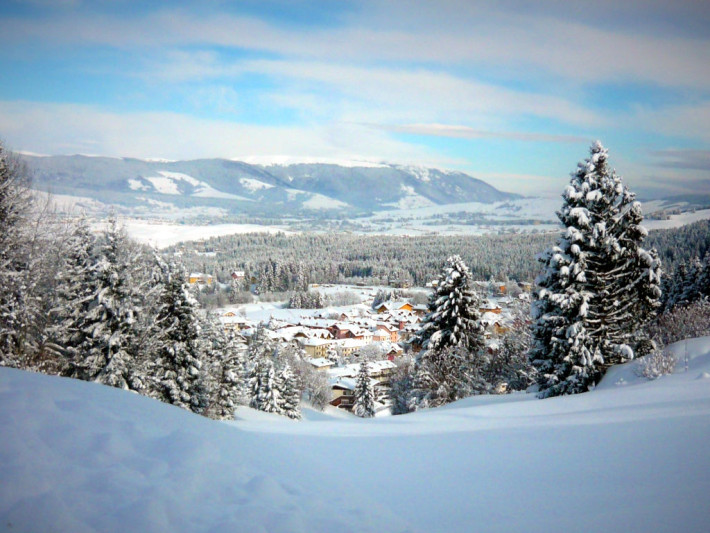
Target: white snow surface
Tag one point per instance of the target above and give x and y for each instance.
(676, 221)
(82, 457)
(167, 183)
(320, 201)
(254, 185)
(161, 235)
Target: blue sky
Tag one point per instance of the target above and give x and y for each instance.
(508, 91)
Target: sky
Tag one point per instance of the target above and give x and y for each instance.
(510, 91)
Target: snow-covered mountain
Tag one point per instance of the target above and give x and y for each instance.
(630, 456)
(258, 188)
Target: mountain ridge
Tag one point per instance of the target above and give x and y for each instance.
(238, 186)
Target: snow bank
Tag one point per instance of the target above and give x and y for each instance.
(81, 457)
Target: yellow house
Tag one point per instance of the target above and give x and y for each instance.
(202, 279)
(394, 306)
(315, 348)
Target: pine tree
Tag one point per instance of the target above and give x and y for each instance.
(177, 376)
(108, 331)
(263, 387)
(227, 372)
(364, 394)
(599, 286)
(704, 277)
(17, 309)
(289, 393)
(76, 285)
(453, 318)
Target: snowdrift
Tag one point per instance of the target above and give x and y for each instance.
(630, 456)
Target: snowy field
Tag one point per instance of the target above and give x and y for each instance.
(162, 234)
(630, 456)
(676, 221)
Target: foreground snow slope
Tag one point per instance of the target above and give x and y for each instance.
(80, 457)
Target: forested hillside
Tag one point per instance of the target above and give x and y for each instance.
(329, 258)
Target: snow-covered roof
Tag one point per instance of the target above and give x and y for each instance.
(351, 343)
(233, 319)
(321, 362)
(315, 342)
(353, 369)
(489, 304)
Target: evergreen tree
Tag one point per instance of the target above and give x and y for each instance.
(76, 286)
(364, 394)
(227, 375)
(448, 375)
(599, 286)
(453, 318)
(401, 384)
(17, 309)
(109, 331)
(289, 393)
(263, 387)
(177, 375)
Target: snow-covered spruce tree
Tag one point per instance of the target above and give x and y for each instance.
(177, 376)
(263, 386)
(364, 394)
(16, 301)
(451, 336)
(401, 384)
(289, 392)
(447, 375)
(109, 328)
(225, 370)
(453, 318)
(75, 290)
(598, 287)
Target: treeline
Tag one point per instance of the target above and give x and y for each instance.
(280, 262)
(331, 258)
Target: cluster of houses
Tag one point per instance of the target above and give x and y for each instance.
(333, 341)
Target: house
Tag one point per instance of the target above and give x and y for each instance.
(237, 275)
(389, 330)
(200, 279)
(233, 322)
(389, 306)
(343, 393)
(394, 352)
(525, 286)
(420, 310)
(379, 371)
(349, 346)
(381, 335)
(489, 306)
(344, 379)
(315, 348)
(343, 330)
(321, 364)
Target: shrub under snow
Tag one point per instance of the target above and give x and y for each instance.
(656, 364)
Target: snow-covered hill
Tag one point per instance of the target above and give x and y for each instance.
(630, 456)
(240, 187)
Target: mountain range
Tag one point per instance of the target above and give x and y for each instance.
(269, 190)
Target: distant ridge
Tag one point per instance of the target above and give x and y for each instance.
(266, 189)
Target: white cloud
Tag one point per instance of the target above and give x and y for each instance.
(445, 33)
(72, 128)
(464, 132)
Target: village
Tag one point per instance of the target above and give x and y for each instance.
(335, 339)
